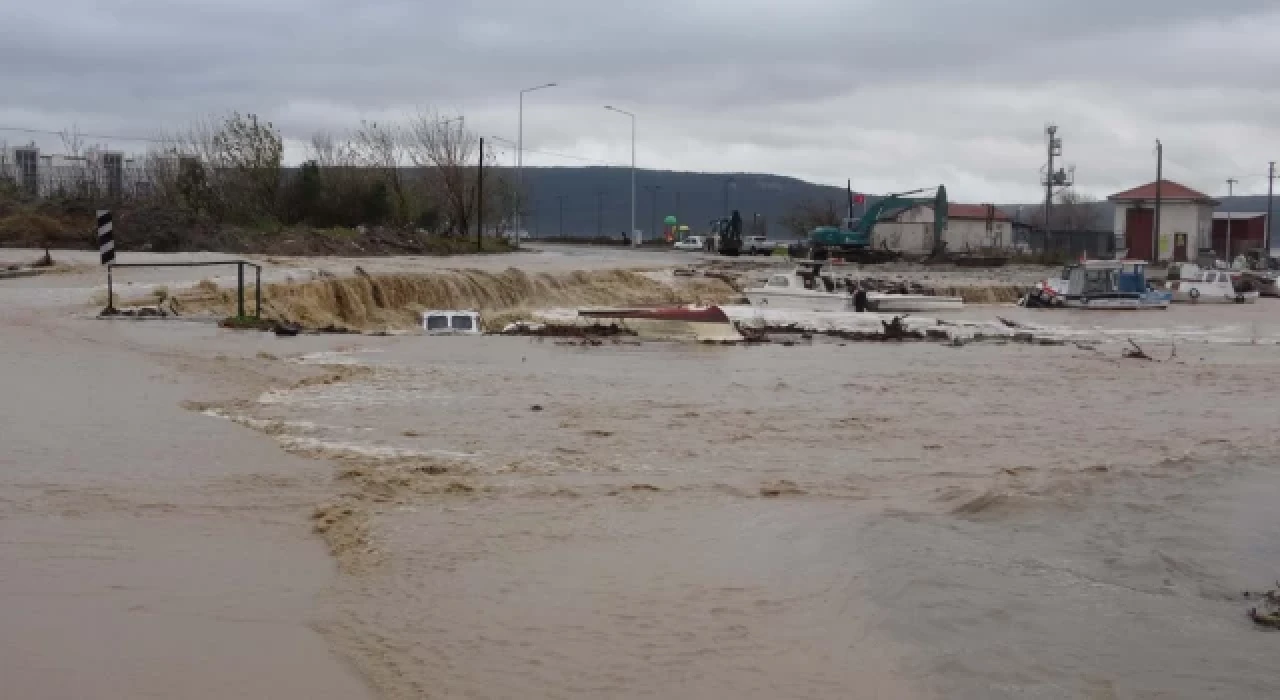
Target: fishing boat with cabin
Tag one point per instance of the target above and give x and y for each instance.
(1106, 285)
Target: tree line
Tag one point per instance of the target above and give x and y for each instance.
(422, 172)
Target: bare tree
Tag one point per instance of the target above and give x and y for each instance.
(249, 153)
(381, 147)
(1073, 211)
(226, 167)
(72, 141)
(448, 154)
(808, 215)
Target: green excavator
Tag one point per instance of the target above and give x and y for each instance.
(852, 238)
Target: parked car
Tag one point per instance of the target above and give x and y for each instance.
(691, 243)
(758, 245)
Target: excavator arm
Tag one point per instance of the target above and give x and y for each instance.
(856, 233)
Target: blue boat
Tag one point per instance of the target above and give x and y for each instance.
(1108, 285)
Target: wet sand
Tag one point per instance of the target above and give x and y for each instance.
(824, 520)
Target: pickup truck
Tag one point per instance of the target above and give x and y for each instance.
(690, 243)
(758, 245)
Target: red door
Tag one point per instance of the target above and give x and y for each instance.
(1137, 233)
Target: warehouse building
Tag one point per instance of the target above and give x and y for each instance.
(909, 229)
(1186, 220)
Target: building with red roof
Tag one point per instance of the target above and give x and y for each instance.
(1186, 222)
(969, 227)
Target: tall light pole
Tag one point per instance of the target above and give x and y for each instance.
(520, 159)
(1266, 234)
(632, 233)
(1231, 181)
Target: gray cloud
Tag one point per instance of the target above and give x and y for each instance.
(892, 94)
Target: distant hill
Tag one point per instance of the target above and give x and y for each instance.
(598, 199)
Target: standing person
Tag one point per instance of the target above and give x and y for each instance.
(860, 299)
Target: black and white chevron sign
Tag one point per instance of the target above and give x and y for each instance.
(106, 242)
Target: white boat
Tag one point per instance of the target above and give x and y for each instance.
(809, 288)
(1105, 285)
(904, 303)
(1195, 285)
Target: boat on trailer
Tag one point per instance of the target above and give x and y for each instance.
(1105, 285)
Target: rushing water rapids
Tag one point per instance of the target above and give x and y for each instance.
(523, 518)
(516, 518)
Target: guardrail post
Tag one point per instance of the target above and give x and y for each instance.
(110, 295)
(240, 289)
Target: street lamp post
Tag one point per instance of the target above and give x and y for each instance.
(632, 233)
(520, 159)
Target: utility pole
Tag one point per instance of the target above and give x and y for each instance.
(678, 219)
(480, 200)
(1155, 223)
(1266, 234)
(1231, 181)
(1055, 147)
(599, 213)
(1061, 178)
(561, 198)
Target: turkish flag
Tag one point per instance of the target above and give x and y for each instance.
(859, 199)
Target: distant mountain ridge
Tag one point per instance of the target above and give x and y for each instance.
(597, 199)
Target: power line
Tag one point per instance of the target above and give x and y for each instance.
(24, 130)
(567, 156)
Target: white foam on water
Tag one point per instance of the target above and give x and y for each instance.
(354, 394)
(366, 450)
(343, 357)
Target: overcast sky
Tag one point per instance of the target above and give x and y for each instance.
(894, 95)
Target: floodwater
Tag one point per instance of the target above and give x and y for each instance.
(823, 520)
(518, 518)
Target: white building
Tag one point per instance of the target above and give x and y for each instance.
(44, 174)
(969, 227)
(1186, 222)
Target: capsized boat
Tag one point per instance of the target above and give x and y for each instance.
(1108, 285)
(706, 324)
(1195, 285)
(810, 288)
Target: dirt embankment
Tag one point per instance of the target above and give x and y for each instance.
(162, 230)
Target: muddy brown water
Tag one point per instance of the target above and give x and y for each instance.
(811, 521)
(823, 520)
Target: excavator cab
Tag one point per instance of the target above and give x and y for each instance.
(729, 234)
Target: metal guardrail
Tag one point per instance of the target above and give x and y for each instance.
(240, 265)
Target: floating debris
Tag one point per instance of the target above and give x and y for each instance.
(1267, 613)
